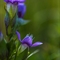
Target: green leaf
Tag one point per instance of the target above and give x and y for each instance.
(7, 14)
(23, 55)
(3, 50)
(9, 30)
(20, 21)
(11, 47)
(32, 54)
(21, 49)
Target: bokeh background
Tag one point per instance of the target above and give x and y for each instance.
(44, 16)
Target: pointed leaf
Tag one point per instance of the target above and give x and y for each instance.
(20, 21)
(32, 54)
(23, 55)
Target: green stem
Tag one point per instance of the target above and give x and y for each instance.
(15, 54)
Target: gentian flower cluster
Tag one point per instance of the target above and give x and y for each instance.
(13, 38)
(21, 8)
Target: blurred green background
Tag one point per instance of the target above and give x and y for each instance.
(45, 27)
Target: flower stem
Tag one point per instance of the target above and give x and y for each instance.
(15, 55)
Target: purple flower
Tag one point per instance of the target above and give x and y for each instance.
(28, 40)
(1, 36)
(17, 5)
(14, 1)
(21, 10)
(11, 1)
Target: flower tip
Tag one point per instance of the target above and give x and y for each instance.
(41, 43)
(18, 35)
(37, 44)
